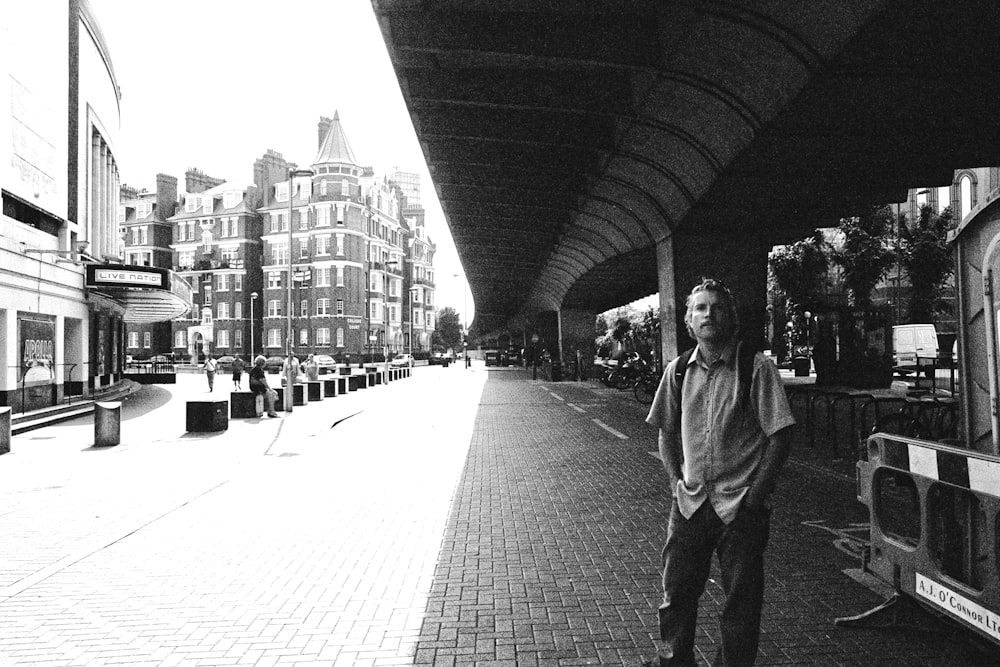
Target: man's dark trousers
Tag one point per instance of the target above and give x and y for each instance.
(687, 558)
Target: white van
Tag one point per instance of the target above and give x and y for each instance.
(910, 341)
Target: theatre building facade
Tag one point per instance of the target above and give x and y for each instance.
(65, 291)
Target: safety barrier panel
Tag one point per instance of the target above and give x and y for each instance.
(935, 526)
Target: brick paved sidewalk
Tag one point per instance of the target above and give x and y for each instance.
(551, 555)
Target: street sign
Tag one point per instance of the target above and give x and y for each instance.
(373, 338)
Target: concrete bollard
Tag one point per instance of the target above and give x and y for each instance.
(107, 424)
(4, 430)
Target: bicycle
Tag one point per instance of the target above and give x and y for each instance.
(645, 387)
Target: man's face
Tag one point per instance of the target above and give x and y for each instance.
(709, 317)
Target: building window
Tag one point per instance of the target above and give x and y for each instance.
(322, 306)
(180, 339)
(340, 244)
(208, 203)
(274, 337)
(303, 336)
(222, 338)
(229, 256)
(208, 295)
(304, 308)
(133, 339)
(340, 276)
(279, 253)
(238, 338)
(965, 187)
(185, 259)
(323, 244)
(340, 307)
(323, 212)
(322, 276)
(340, 336)
(304, 249)
(221, 282)
(206, 316)
(238, 310)
(323, 336)
(322, 184)
(274, 308)
(340, 216)
(223, 311)
(281, 191)
(304, 219)
(238, 282)
(274, 279)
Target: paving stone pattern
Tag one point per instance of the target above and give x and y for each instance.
(551, 555)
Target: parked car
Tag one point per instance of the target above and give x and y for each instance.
(273, 364)
(225, 363)
(325, 361)
(402, 360)
(439, 359)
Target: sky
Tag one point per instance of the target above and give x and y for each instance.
(214, 84)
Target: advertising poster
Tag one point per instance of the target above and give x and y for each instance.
(37, 347)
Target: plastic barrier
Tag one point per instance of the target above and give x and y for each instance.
(935, 525)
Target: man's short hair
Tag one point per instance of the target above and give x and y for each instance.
(717, 286)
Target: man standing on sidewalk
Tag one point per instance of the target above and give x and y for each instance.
(724, 436)
(211, 365)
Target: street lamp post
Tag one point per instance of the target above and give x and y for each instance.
(253, 300)
(290, 373)
(385, 290)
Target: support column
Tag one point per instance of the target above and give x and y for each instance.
(668, 300)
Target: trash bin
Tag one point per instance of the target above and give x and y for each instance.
(556, 371)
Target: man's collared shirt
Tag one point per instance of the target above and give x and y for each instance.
(722, 440)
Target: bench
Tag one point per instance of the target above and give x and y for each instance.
(314, 389)
(207, 416)
(245, 405)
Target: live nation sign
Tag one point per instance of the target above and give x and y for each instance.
(115, 275)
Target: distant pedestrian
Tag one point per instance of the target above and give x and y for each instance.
(311, 368)
(238, 366)
(259, 385)
(724, 437)
(211, 365)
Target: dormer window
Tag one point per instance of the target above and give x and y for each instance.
(231, 199)
(281, 191)
(191, 204)
(208, 203)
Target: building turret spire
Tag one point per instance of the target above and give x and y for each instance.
(335, 147)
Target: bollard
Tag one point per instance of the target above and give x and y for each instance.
(5, 430)
(107, 424)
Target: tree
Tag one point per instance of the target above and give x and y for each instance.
(928, 261)
(800, 270)
(448, 333)
(864, 253)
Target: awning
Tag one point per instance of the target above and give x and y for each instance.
(146, 293)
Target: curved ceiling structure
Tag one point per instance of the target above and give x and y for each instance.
(566, 139)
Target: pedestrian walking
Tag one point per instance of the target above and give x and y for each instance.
(238, 366)
(259, 385)
(723, 438)
(211, 365)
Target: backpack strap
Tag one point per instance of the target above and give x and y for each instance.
(680, 370)
(744, 369)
